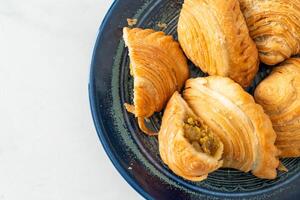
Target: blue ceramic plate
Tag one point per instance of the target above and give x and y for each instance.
(133, 153)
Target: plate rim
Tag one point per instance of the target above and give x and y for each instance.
(98, 121)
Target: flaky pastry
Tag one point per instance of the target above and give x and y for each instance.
(244, 129)
(186, 144)
(215, 37)
(275, 27)
(279, 95)
(159, 68)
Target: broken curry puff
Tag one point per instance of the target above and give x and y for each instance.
(214, 36)
(189, 147)
(242, 126)
(159, 68)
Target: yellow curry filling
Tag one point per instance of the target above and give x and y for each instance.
(200, 137)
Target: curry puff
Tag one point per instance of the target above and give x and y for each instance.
(275, 27)
(189, 147)
(242, 126)
(215, 37)
(279, 95)
(159, 68)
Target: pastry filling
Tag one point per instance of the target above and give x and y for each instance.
(200, 137)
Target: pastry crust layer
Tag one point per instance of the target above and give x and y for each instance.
(275, 27)
(244, 129)
(214, 35)
(279, 96)
(159, 68)
(177, 151)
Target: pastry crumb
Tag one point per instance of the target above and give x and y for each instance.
(282, 168)
(131, 22)
(162, 25)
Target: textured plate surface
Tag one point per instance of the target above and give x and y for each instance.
(135, 155)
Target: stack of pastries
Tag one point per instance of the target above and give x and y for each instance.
(212, 122)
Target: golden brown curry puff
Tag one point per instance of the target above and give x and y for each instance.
(279, 95)
(275, 27)
(159, 68)
(186, 145)
(214, 35)
(244, 129)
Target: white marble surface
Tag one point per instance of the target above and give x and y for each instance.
(49, 149)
